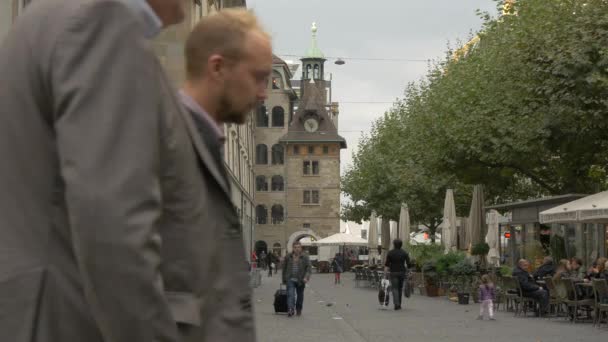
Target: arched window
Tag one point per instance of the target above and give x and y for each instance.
(308, 70)
(278, 117)
(261, 154)
(261, 184)
(277, 154)
(277, 183)
(277, 80)
(277, 214)
(316, 73)
(261, 214)
(262, 116)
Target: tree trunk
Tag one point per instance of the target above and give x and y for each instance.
(386, 238)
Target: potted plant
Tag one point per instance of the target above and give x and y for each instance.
(431, 277)
(464, 272)
(443, 265)
(481, 250)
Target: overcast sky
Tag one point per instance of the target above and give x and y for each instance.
(397, 29)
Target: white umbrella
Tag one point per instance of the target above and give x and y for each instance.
(592, 208)
(341, 239)
(394, 230)
(372, 235)
(492, 238)
(449, 233)
(404, 224)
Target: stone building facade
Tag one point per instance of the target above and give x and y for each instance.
(298, 158)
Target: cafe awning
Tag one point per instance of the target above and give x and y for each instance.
(592, 208)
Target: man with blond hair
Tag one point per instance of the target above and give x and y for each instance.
(228, 63)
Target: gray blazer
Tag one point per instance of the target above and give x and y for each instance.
(106, 226)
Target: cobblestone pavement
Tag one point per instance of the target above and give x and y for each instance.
(346, 313)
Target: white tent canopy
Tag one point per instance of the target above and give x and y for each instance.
(341, 239)
(592, 208)
(449, 232)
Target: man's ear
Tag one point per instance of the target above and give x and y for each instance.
(215, 66)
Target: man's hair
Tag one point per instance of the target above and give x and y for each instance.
(577, 260)
(548, 259)
(397, 243)
(296, 243)
(223, 33)
(521, 262)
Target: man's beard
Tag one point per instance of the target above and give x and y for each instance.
(227, 112)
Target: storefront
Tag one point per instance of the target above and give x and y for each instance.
(523, 237)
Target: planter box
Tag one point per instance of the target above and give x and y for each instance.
(463, 298)
(432, 291)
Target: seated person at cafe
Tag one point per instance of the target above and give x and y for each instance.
(547, 269)
(563, 270)
(576, 268)
(598, 268)
(529, 288)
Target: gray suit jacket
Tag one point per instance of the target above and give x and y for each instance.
(105, 228)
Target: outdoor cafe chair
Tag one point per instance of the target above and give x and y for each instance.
(555, 302)
(573, 301)
(513, 293)
(600, 295)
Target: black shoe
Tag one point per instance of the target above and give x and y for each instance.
(398, 307)
(299, 312)
(289, 313)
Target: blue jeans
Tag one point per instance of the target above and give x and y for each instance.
(295, 289)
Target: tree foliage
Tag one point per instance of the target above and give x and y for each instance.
(524, 112)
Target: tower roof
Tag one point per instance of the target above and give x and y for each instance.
(314, 51)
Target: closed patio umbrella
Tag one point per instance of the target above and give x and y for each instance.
(404, 224)
(449, 234)
(372, 236)
(477, 217)
(492, 238)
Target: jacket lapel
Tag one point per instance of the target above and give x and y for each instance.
(203, 152)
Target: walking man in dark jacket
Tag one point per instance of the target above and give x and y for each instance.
(529, 287)
(396, 265)
(296, 273)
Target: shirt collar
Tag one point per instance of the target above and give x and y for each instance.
(193, 106)
(150, 20)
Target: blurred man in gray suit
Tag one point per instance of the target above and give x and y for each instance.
(102, 203)
(228, 62)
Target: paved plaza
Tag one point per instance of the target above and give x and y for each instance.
(346, 313)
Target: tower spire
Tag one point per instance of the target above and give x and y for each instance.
(314, 51)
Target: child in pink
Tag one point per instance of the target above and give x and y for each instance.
(487, 295)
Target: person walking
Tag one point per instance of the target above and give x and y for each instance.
(270, 259)
(395, 268)
(98, 175)
(296, 274)
(487, 296)
(228, 63)
(336, 264)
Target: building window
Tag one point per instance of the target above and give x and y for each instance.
(261, 184)
(317, 74)
(306, 225)
(261, 154)
(261, 213)
(277, 214)
(306, 167)
(296, 149)
(325, 149)
(277, 154)
(277, 183)
(308, 69)
(278, 116)
(310, 167)
(315, 167)
(311, 197)
(262, 116)
(277, 80)
(311, 149)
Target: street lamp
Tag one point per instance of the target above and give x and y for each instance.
(339, 61)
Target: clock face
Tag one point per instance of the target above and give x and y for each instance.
(311, 125)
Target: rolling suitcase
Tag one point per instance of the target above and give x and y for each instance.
(280, 300)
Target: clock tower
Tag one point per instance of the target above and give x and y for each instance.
(312, 145)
